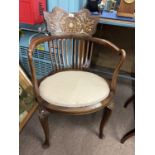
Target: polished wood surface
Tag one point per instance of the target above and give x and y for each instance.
(43, 117)
(126, 9)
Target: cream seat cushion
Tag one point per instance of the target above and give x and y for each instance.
(74, 89)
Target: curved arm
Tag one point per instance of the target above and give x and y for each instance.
(119, 51)
(116, 71)
(34, 79)
(32, 46)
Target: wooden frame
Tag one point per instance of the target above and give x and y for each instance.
(81, 59)
(25, 85)
(59, 21)
(126, 9)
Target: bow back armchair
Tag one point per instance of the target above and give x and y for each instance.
(71, 88)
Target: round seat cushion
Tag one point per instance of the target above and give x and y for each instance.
(74, 89)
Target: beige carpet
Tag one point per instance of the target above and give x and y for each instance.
(78, 135)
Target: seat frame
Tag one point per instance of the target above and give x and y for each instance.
(45, 108)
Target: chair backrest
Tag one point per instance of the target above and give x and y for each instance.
(73, 52)
(71, 44)
(65, 51)
(59, 21)
(70, 52)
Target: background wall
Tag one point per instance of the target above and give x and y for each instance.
(124, 38)
(68, 5)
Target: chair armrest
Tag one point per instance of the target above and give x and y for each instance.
(118, 51)
(33, 75)
(117, 69)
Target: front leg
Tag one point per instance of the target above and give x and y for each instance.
(43, 117)
(105, 117)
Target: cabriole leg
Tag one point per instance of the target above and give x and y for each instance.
(105, 117)
(43, 117)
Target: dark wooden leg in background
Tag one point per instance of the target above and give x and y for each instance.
(128, 135)
(129, 101)
(43, 117)
(106, 114)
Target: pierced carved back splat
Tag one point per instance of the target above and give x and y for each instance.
(59, 21)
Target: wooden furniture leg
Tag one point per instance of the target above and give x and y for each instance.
(105, 117)
(43, 117)
(128, 135)
(129, 100)
(132, 132)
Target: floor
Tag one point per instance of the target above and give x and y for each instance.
(78, 135)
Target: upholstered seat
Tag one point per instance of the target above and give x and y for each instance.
(74, 89)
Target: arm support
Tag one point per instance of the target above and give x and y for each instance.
(120, 52)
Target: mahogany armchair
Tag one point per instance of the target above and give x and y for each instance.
(71, 88)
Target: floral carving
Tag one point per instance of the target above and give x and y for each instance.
(60, 22)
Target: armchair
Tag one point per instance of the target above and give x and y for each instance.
(71, 88)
